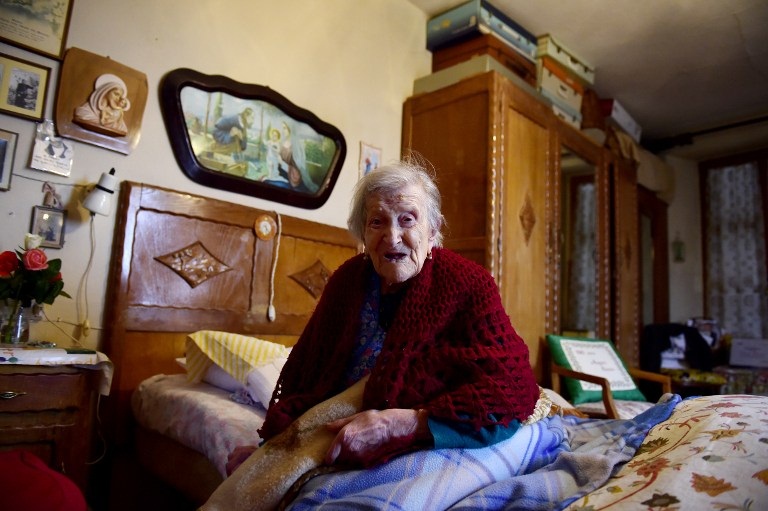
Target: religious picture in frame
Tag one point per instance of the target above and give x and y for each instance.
(249, 139)
(39, 26)
(49, 224)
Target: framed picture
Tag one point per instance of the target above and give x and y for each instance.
(49, 223)
(370, 158)
(40, 26)
(7, 152)
(100, 101)
(23, 87)
(249, 139)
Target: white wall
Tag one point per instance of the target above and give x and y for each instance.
(686, 288)
(351, 62)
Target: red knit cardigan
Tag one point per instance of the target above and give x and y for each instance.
(451, 349)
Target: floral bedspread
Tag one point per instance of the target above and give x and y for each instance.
(198, 415)
(711, 454)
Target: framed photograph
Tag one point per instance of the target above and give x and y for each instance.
(249, 139)
(100, 101)
(40, 26)
(7, 152)
(370, 158)
(49, 223)
(23, 87)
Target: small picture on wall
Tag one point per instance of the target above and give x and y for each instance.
(51, 153)
(23, 87)
(49, 224)
(7, 151)
(370, 158)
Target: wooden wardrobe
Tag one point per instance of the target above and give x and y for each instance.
(499, 154)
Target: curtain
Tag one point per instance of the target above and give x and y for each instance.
(735, 250)
(580, 312)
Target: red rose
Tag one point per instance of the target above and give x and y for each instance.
(56, 277)
(35, 260)
(9, 263)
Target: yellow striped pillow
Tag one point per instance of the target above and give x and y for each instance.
(234, 353)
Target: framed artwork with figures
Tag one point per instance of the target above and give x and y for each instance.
(40, 26)
(249, 139)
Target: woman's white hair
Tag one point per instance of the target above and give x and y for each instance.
(389, 179)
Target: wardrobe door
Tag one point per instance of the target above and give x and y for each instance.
(626, 273)
(524, 177)
(450, 128)
(584, 249)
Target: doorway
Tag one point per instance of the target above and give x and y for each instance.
(654, 259)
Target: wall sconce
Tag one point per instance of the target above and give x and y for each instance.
(678, 249)
(99, 201)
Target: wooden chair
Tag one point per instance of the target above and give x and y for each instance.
(610, 408)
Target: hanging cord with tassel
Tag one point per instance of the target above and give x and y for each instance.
(271, 312)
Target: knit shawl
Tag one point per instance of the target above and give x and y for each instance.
(451, 349)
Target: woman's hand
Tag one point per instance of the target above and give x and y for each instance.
(370, 436)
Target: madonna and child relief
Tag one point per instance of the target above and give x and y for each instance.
(100, 101)
(104, 112)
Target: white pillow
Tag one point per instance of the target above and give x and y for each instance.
(263, 379)
(216, 376)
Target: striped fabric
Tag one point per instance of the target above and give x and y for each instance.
(236, 354)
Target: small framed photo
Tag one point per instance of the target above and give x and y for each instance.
(370, 158)
(49, 224)
(23, 87)
(7, 152)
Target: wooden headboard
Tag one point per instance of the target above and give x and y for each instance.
(182, 263)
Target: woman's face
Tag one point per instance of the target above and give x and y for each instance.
(397, 235)
(115, 98)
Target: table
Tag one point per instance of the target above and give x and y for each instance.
(48, 402)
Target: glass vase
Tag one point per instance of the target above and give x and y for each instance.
(16, 329)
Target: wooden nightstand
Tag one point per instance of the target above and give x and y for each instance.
(50, 411)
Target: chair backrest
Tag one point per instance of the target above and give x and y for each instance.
(596, 357)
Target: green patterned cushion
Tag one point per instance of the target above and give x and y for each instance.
(596, 357)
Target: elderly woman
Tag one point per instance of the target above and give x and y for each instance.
(446, 368)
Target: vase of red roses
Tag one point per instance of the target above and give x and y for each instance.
(27, 278)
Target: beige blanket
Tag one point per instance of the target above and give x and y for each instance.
(262, 480)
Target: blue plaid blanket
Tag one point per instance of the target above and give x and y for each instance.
(545, 465)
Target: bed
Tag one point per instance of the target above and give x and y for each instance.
(183, 263)
(260, 277)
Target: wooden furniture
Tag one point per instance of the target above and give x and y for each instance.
(612, 406)
(499, 153)
(50, 411)
(183, 263)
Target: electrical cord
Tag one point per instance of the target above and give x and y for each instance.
(271, 312)
(82, 288)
